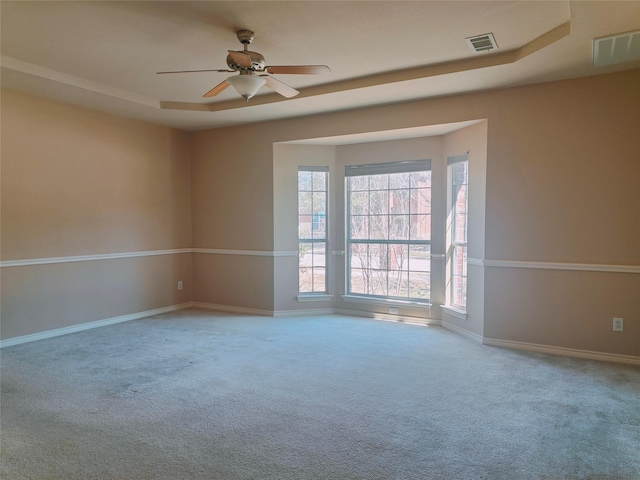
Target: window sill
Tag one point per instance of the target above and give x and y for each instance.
(314, 297)
(455, 312)
(387, 301)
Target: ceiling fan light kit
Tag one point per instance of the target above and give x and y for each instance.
(247, 85)
(247, 64)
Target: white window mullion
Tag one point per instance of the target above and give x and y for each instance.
(458, 172)
(312, 229)
(397, 181)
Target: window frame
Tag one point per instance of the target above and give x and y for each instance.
(453, 242)
(381, 169)
(312, 240)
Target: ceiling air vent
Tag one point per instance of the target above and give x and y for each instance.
(482, 43)
(624, 47)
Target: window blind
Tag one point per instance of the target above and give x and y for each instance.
(462, 157)
(382, 168)
(306, 168)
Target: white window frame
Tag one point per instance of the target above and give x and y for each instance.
(324, 289)
(378, 169)
(454, 244)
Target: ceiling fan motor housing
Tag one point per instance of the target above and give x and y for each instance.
(257, 61)
(245, 36)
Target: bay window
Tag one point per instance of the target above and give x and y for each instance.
(389, 230)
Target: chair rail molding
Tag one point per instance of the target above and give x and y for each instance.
(112, 256)
(88, 258)
(589, 267)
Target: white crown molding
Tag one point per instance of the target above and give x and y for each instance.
(588, 267)
(66, 79)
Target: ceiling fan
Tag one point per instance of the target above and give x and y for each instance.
(251, 67)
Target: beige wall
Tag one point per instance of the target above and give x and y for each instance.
(562, 170)
(232, 189)
(286, 160)
(232, 210)
(38, 298)
(570, 309)
(237, 281)
(562, 174)
(76, 182)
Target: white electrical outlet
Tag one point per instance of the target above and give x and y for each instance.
(618, 324)
(393, 310)
(180, 285)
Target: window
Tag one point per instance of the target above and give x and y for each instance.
(389, 230)
(312, 229)
(458, 173)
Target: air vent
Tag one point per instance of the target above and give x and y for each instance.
(482, 43)
(624, 47)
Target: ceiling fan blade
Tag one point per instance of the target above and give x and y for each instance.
(280, 87)
(299, 69)
(195, 71)
(242, 59)
(217, 89)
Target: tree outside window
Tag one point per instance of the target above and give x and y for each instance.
(389, 222)
(312, 229)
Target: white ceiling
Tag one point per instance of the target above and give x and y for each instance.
(104, 55)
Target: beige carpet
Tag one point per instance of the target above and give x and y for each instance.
(199, 395)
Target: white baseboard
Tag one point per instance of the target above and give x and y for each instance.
(495, 342)
(388, 317)
(232, 309)
(461, 331)
(562, 351)
(311, 311)
(89, 325)
(454, 312)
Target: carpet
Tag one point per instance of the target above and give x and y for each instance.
(201, 395)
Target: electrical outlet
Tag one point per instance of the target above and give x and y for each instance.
(393, 310)
(180, 285)
(618, 324)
